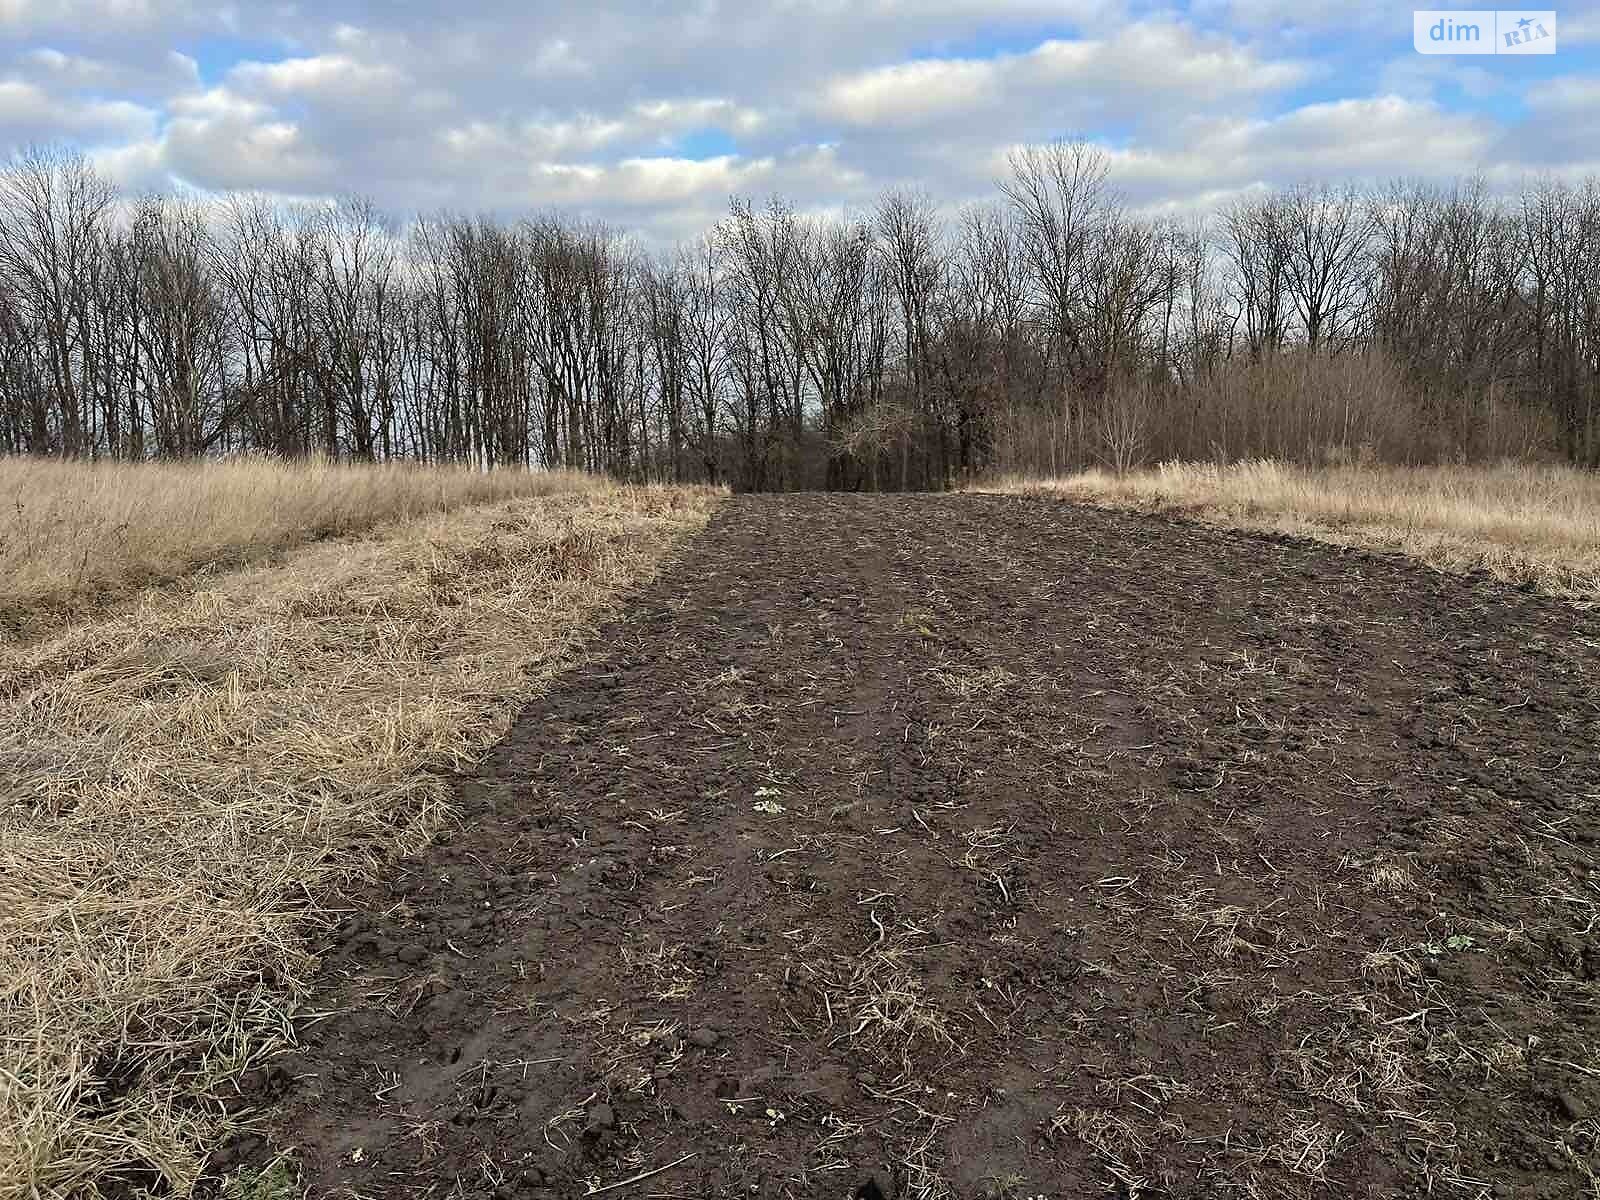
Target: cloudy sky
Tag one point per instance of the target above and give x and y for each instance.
(650, 113)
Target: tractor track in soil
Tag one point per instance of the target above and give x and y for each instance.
(992, 846)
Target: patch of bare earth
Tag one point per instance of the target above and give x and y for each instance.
(991, 846)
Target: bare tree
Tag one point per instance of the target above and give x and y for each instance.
(1327, 234)
(1060, 194)
(1255, 248)
(908, 237)
(706, 333)
(53, 238)
(181, 327)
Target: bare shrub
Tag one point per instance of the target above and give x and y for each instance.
(1124, 427)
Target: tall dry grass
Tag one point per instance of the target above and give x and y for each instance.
(185, 780)
(1521, 522)
(73, 534)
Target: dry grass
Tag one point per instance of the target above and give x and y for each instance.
(183, 778)
(1518, 521)
(73, 534)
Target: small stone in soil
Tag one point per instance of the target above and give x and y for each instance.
(602, 1116)
(705, 1037)
(411, 952)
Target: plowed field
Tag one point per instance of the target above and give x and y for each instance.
(990, 846)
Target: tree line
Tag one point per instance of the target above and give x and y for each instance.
(1048, 329)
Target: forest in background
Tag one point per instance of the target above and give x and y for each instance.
(1047, 330)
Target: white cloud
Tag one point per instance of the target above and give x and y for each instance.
(912, 93)
(1307, 16)
(529, 141)
(1370, 136)
(1210, 160)
(678, 115)
(217, 139)
(1142, 71)
(556, 58)
(166, 74)
(1557, 136)
(119, 16)
(1578, 29)
(1421, 76)
(30, 114)
(325, 76)
(1572, 95)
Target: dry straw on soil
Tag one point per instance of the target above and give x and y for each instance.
(186, 779)
(1520, 522)
(73, 534)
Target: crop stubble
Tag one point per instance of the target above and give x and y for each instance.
(996, 846)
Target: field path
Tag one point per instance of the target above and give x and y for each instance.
(992, 846)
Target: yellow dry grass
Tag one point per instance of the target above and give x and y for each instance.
(185, 780)
(73, 534)
(1521, 522)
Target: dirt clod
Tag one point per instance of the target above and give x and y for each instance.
(1572, 1105)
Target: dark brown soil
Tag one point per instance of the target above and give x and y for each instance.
(987, 846)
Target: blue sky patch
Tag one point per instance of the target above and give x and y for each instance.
(701, 144)
(216, 56)
(994, 43)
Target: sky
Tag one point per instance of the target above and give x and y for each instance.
(650, 115)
